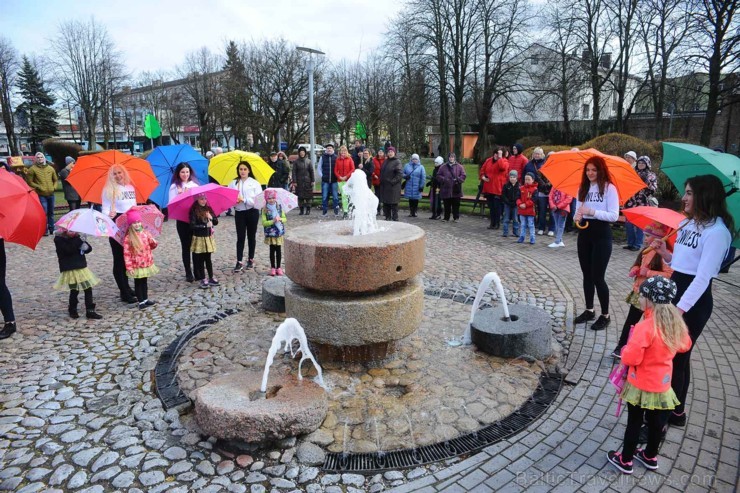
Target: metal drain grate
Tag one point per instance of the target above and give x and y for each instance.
(546, 392)
(165, 373)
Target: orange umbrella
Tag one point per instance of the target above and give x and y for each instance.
(22, 219)
(643, 215)
(90, 175)
(564, 170)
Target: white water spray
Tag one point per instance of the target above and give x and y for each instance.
(487, 279)
(287, 332)
(363, 204)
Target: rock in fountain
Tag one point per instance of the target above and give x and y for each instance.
(355, 290)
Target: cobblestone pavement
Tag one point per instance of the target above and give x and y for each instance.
(77, 411)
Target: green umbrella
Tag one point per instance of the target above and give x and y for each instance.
(684, 161)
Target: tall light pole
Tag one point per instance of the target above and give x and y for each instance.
(310, 66)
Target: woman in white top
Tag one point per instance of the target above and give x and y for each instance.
(182, 180)
(246, 217)
(701, 246)
(598, 203)
(118, 197)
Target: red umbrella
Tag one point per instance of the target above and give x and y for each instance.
(151, 218)
(90, 175)
(643, 215)
(22, 219)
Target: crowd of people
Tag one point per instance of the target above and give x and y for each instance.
(670, 301)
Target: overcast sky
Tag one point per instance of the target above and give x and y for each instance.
(156, 34)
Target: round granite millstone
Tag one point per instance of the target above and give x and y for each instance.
(273, 294)
(357, 320)
(226, 408)
(325, 256)
(529, 334)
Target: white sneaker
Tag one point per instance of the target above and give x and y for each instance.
(561, 244)
(540, 232)
(550, 233)
(553, 245)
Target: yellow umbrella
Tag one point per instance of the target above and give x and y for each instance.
(222, 167)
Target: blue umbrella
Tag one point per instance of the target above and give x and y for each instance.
(164, 160)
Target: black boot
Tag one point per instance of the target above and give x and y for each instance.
(91, 314)
(302, 211)
(8, 330)
(308, 210)
(72, 309)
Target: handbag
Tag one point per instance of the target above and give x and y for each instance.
(618, 377)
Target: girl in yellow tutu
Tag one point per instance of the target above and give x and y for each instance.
(649, 355)
(75, 276)
(137, 255)
(202, 221)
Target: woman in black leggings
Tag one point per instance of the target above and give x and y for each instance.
(246, 217)
(598, 203)
(183, 179)
(701, 246)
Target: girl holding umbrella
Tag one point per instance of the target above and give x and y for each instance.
(598, 202)
(118, 197)
(246, 216)
(700, 247)
(182, 180)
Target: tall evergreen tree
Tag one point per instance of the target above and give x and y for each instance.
(36, 110)
(236, 94)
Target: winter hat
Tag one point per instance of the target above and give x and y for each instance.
(659, 290)
(519, 148)
(391, 149)
(414, 156)
(656, 229)
(645, 160)
(68, 160)
(273, 153)
(270, 194)
(631, 154)
(514, 173)
(209, 155)
(329, 145)
(438, 161)
(531, 175)
(133, 216)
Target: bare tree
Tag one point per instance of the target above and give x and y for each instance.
(201, 73)
(8, 70)
(623, 14)
(84, 58)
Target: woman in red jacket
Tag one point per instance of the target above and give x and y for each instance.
(378, 161)
(493, 174)
(649, 355)
(343, 169)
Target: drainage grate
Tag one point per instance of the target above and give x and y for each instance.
(546, 392)
(165, 373)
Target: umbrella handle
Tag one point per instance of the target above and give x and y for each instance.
(650, 249)
(581, 226)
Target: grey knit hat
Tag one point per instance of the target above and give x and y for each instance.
(69, 160)
(658, 289)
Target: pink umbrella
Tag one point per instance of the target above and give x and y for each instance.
(151, 218)
(220, 198)
(287, 200)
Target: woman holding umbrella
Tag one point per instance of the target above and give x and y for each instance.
(246, 216)
(598, 202)
(701, 245)
(119, 195)
(183, 179)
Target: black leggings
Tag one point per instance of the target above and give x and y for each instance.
(276, 256)
(185, 233)
(141, 289)
(119, 268)
(696, 318)
(633, 316)
(73, 293)
(654, 419)
(201, 264)
(452, 205)
(246, 228)
(594, 251)
(6, 301)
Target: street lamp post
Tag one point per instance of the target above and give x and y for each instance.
(310, 66)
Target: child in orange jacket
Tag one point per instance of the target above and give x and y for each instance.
(137, 255)
(649, 355)
(646, 265)
(525, 208)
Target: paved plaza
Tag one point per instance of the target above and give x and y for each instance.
(78, 412)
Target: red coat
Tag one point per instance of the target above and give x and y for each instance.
(650, 361)
(517, 164)
(376, 171)
(345, 166)
(497, 173)
(560, 201)
(529, 192)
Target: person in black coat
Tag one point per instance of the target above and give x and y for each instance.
(74, 274)
(390, 185)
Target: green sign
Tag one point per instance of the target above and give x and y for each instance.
(360, 130)
(151, 127)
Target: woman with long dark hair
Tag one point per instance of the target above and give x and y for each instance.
(184, 179)
(701, 245)
(598, 203)
(246, 217)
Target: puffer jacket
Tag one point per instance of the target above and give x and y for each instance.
(345, 166)
(497, 173)
(328, 162)
(528, 194)
(43, 179)
(415, 176)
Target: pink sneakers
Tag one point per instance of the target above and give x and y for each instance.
(272, 271)
(279, 271)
